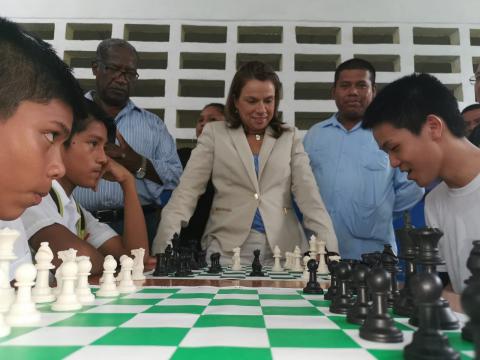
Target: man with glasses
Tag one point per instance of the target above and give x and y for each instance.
(144, 145)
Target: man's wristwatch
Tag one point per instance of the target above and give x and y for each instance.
(142, 170)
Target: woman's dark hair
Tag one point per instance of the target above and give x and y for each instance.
(253, 70)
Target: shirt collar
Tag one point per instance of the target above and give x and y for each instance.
(333, 121)
(64, 199)
(127, 108)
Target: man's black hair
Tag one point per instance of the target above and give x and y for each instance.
(474, 106)
(94, 113)
(355, 64)
(30, 70)
(406, 103)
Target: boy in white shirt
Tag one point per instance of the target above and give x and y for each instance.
(417, 122)
(39, 99)
(62, 222)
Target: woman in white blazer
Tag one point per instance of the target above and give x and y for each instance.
(256, 163)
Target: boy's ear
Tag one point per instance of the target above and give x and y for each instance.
(435, 126)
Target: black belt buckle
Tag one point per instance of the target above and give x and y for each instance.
(109, 216)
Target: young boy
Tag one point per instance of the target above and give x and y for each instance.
(62, 222)
(417, 122)
(39, 99)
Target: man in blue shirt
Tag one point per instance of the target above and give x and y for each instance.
(144, 145)
(360, 189)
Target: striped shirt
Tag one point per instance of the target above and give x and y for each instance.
(147, 134)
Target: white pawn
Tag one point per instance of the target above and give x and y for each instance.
(84, 294)
(108, 288)
(120, 273)
(41, 292)
(288, 260)
(67, 299)
(313, 247)
(138, 266)
(277, 255)
(322, 265)
(7, 241)
(297, 267)
(126, 285)
(306, 273)
(23, 311)
(236, 265)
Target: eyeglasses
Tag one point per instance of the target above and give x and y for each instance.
(116, 71)
(474, 79)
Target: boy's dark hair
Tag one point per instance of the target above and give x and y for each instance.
(474, 106)
(219, 106)
(253, 70)
(30, 70)
(355, 64)
(94, 113)
(406, 103)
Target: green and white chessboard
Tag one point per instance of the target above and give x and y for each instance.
(228, 273)
(204, 323)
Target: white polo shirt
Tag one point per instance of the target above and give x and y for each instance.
(46, 213)
(20, 246)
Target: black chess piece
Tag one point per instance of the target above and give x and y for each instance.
(473, 264)
(428, 342)
(428, 257)
(183, 264)
(215, 266)
(161, 266)
(358, 312)
(343, 300)
(332, 289)
(169, 259)
(256, 266)
(201, 259)
(471, 305)
(378, 325)
(373, 259)
(389, 262)
(193, 251)
(403, 304)
(313, 287)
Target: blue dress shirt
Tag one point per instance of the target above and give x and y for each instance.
(147, 134)
(359, 187)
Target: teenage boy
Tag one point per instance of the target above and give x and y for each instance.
(62, 222)
(417, 122)
(39, 99)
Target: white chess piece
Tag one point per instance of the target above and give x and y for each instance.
(23, 311)
(236, 265)
(120, 273)
(7, 241)
(306, 273)
(287, 265)
(138, 266)
(126, 284)
(42, 293)
(297, 267)
(277, 255)
(84, 294)
(4, 328)
(67, 299)
(65, 256)
(108, 288)
(322, 265)
(313, 247)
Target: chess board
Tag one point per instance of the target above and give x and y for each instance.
(228, 273)
(204, 323)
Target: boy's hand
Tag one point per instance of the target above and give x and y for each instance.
(115, 172)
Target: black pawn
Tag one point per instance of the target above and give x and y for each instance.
(389, 263)
(160, 267)
(473, 264)
(471, 305)
(332, 289)
(256, 266)
(359, 311)
(378, 325)
(169, 259)
(343, 300)
(428, 343)
(215, 267)
(202, 262)
(313, 287)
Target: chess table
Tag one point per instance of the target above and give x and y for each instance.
(224, 321)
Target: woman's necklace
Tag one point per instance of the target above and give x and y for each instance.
(258, 137)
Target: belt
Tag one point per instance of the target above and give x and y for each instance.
(113, 215)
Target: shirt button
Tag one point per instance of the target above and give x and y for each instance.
(256, 196)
